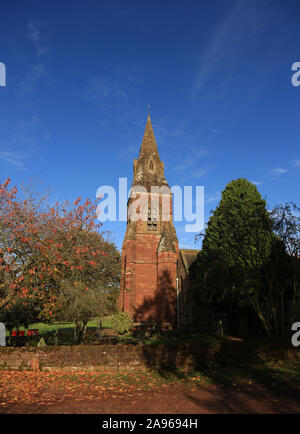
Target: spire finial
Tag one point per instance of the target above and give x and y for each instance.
(149, 111)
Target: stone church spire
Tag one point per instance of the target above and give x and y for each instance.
(149, 143)
(148, 168)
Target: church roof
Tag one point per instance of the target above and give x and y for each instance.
(189, 256)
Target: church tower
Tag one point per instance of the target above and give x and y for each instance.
(150, 247)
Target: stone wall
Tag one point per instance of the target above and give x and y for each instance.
(114, 358)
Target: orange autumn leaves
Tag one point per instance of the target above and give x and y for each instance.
(45, 388)
(42, 245)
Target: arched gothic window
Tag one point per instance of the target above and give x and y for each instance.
(151, 165)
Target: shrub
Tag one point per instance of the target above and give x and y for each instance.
(122, 323)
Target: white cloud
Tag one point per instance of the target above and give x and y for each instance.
(13, 159)
(187, 246)
(296, 163)
(196, 155)
(256, 182)
(234, 31)
(199, 173)
(213, 197)
(277, 171)
(35, 36)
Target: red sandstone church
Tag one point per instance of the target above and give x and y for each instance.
(154, 282)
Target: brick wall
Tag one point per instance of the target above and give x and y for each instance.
(113, 358)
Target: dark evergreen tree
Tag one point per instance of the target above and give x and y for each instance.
(238, 243)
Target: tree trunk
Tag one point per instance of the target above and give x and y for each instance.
(256, 307)
(262, 318)
(80, 328)
(84, 328)
(77, 332)
(99, 328)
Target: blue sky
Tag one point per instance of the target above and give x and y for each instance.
(217, 75)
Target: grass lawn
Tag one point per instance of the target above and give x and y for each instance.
(67, 326)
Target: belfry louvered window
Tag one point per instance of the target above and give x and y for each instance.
(152, 222)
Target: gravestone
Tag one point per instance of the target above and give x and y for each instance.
(219, 329)
(41, 342)
(2, 335)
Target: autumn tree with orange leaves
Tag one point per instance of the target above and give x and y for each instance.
(46, 248)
